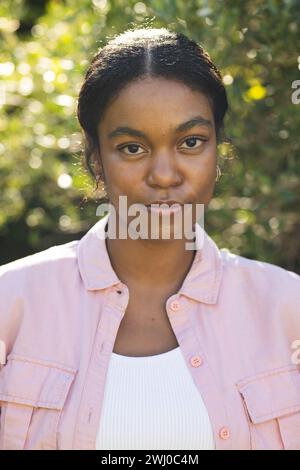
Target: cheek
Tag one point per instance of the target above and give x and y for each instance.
(204, 166)
(204, 185)
(116, 174)
(122, 180)
(204, 179)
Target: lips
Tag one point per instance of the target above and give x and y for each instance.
(169, 203)
(164, 207)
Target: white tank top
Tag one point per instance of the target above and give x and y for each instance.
(152, 402)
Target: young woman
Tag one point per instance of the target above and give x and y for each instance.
(140, 343)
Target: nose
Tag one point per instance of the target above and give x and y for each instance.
(164, 171)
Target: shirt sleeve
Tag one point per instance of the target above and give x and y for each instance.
(11, 306)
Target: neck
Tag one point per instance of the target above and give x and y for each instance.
(158, 264)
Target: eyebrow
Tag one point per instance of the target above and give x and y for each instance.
(196, 121)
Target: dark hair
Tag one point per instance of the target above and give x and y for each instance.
(139, 53)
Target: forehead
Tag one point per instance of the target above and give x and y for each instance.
(155, 102)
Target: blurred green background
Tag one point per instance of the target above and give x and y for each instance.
(46, 197)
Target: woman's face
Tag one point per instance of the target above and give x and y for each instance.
(157, 141)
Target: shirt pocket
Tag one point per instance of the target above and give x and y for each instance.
(32, 397)
(272, 404)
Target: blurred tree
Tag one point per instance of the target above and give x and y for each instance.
(29, 15)
(45, 49)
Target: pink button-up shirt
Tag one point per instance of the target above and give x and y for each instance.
(236, 320)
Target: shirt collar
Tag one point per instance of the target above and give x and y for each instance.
(202, 283)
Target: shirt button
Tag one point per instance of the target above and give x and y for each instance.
(224, 433)
(118, 290)
(175, 305)
(196, 361)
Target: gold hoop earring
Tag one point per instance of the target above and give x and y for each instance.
(218, 173)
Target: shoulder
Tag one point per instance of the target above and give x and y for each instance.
(38, 265)
(261, 275)
(26, 283)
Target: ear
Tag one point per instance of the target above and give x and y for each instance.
(98, 166)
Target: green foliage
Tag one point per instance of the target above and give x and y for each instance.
(45, 49)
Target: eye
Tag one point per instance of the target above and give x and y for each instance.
(132, 148)
(192, 141)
